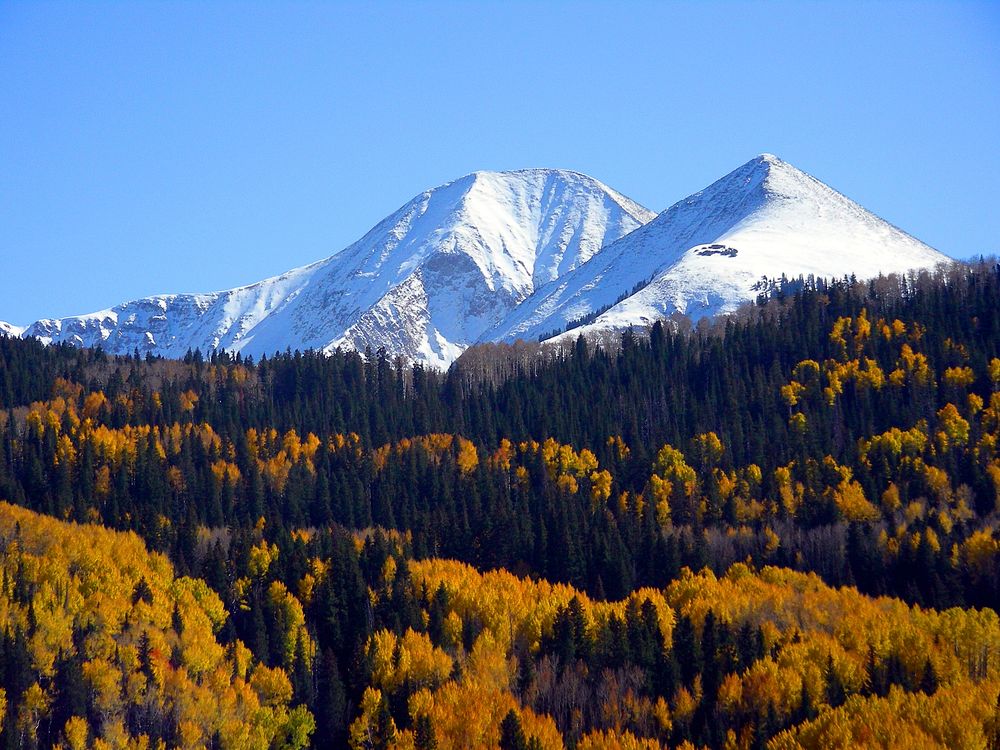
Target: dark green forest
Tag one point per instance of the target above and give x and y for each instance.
(838, 428)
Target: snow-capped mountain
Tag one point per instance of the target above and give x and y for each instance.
(496, 256)
(6, 329)
(705, 254)
(425, 283)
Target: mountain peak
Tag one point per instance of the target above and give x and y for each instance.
(766, 158)
(763, 164)
(531, 173)
(707, 253)
(8, 329)
(536, 179)
(513, 177)
(766, 178)
(424, 283)
(499, 255)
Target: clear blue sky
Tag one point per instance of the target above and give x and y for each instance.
(163, 147)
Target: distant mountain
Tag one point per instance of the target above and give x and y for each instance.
(425, 283)
(707, 254)
(6, 329)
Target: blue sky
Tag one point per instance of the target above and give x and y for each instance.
(165, 147)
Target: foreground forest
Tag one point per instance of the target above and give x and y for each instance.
(775, 531)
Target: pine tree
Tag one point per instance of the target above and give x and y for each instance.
(423, 734)
(384, 731)
(835, 691)
(511, 733)
(929, 679)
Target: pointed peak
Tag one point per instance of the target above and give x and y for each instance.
(754, 171)
(768, 162)
(769, 174)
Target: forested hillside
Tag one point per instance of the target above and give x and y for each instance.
(102, 646)
(778, 531)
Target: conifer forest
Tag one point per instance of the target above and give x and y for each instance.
(779, 529)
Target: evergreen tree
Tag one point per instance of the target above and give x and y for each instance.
(511, 733)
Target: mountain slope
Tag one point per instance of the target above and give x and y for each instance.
(425, 283)
(6, 329)
(526, 254)
(705, 254)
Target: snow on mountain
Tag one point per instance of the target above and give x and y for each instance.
(498, 256)
(7, 329)
(705, 254)
(425, 283)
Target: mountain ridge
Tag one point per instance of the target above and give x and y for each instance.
(705, 254)
(424, 282)
(495, 256)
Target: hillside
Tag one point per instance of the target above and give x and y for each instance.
(777, 531)
(102, 646)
